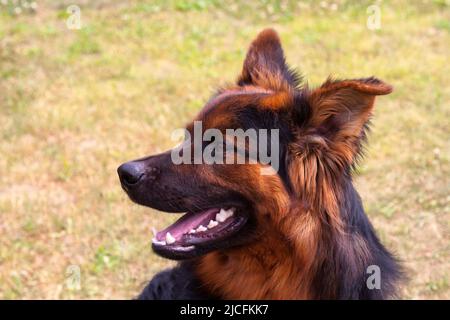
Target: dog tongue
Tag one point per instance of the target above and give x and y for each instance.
(187, 222)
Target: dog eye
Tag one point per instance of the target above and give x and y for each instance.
(215, 145)
(211, 143)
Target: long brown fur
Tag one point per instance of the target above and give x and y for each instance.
(284, 260)
(312, 239)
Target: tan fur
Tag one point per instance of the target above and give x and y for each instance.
(282, 263)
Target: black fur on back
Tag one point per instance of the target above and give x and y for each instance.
(178, 283)
(344, 274)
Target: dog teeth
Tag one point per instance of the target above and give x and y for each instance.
(224, 214)
(169, 238)
(154, 231)
(220, 217)
(156, 241)
(201, 228)
(212, 224)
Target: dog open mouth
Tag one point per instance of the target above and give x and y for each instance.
(198, 232)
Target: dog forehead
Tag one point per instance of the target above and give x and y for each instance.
(239, 95)
(221, 110)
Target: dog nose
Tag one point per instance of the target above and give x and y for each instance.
(130, 172)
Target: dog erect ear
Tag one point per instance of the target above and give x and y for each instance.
(265, 64)
(329, 139)
(340, 111)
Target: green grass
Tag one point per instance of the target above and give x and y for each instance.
(74, 104)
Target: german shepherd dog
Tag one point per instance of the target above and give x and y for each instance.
(300, 233)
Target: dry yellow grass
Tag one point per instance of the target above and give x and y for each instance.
(74, 104)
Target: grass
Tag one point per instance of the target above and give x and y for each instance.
(74, 104)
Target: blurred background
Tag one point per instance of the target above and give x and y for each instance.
(87, 85)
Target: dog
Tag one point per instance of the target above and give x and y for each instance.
(299, 232)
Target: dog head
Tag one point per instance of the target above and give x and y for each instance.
(231, 195)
